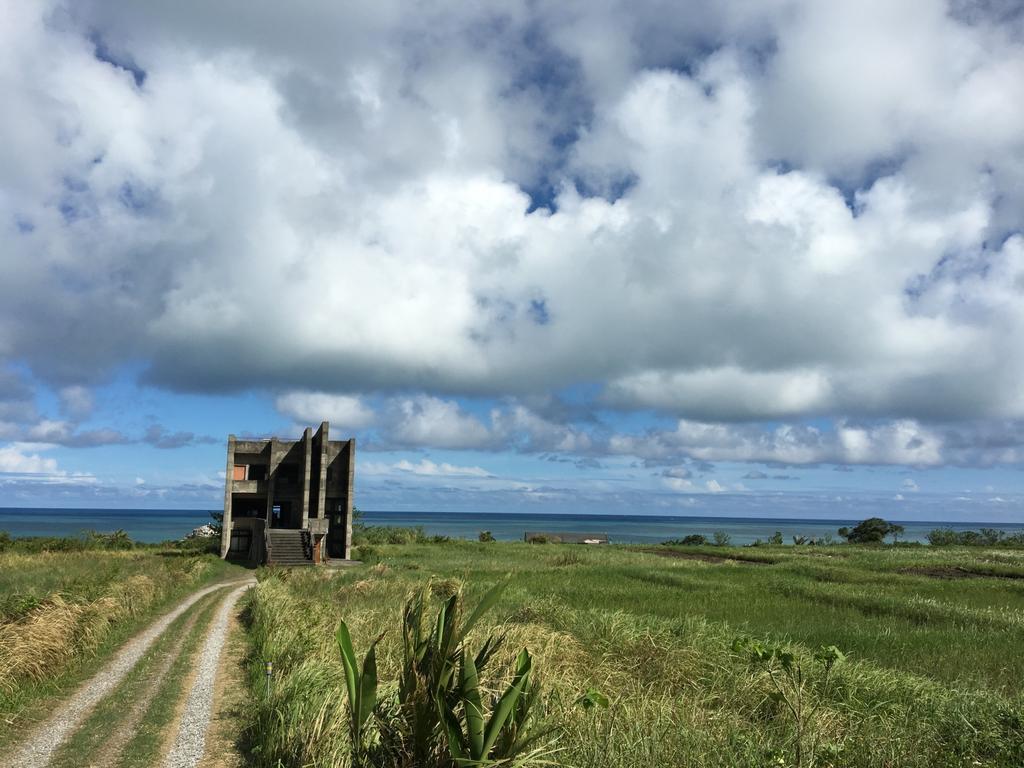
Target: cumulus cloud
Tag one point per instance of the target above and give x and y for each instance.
(425, 420)
(900, 442)
(444, 469)
(727, 214)
(310, 408)
(14, 460)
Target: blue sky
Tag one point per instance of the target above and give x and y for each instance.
(729, 260)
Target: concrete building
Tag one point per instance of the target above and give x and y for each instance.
(289, 502)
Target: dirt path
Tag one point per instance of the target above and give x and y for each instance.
(113, 746)
(190, 742)
(230, 695)
(39, 747)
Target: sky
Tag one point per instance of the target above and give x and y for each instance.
(736, 257)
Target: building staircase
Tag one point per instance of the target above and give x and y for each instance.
(287, 547)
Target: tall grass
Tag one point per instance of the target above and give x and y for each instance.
(60, 610)
(939, 686)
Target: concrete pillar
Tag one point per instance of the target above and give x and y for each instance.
(307, 445)
(229, 474)
(272, 463)
(321, 485)
(350, 492)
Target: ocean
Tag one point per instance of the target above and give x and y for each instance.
(161, 525)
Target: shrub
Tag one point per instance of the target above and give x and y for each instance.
(721, 539)
(871, 531)
(441, 715)
(986, 537)
(486, 536)
(692, 540)
(387, 534)
(792, 684)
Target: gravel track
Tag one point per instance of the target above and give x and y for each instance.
(38, 749)
(115, 743)
(190, 742)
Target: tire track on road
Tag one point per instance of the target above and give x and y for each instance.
(190, 742)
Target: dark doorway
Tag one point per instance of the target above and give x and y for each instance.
(336, 528)
(283, 515)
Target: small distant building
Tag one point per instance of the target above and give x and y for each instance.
(289, 502)
(564, 537)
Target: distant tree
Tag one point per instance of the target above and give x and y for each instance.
(870, 531)
(991, 536)
(693, 540)
(776, 539)
(895, 530)
(218, 522)
(942, 537)
(486, 536)
(721, 539)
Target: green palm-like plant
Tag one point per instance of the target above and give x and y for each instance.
(441, 716)
(361, 686)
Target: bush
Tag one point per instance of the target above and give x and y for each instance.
(871, 531)
(693, 540)
(721, 539)
(986, 537)
(486, 536)
(446, 711)
(88, 541)
(387, 534)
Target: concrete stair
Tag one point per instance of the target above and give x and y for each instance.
(286, 548)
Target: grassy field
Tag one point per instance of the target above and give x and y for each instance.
(934, 639)
(62, 613)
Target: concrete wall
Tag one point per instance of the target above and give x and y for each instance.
(323, 469)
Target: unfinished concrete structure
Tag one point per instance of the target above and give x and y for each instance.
(289, 502)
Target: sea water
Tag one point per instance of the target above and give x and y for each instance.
(151, 525)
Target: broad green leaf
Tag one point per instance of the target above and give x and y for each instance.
(452, 729)
(506, 704)
(593, 698)
(484, 605)
(368, 685)
(473, 708)
(348, 659)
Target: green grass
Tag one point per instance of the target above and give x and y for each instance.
(65, 613)
(933, 677)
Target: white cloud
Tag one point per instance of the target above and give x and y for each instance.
(902, 442)
(431, 421)
(310, 408)
(677, 483)
(424, 468)
(909, 484)
(714, 486)
(13, 460)
(427, 467)
(811, 221)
